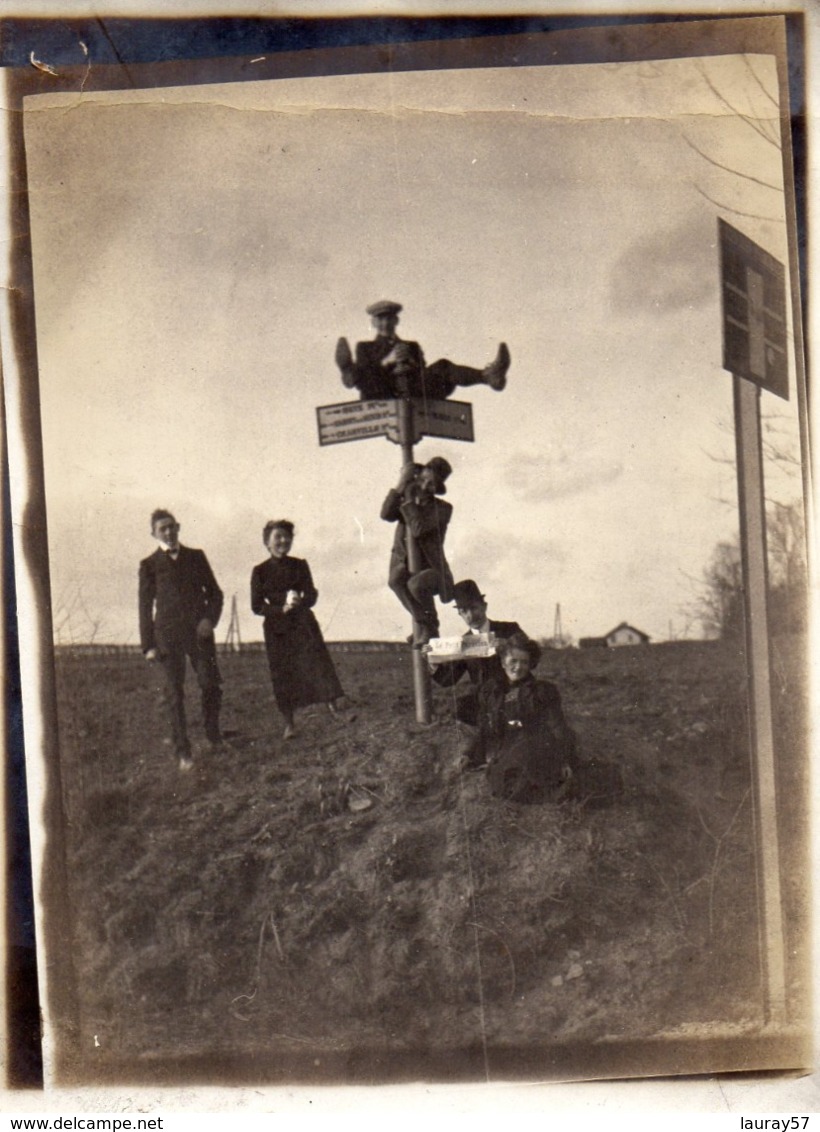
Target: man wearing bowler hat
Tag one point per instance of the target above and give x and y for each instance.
(471, 605)
(414, 505)
(390, 367)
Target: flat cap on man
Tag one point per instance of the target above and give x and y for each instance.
(383, 306)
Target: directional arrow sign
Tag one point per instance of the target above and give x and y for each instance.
(358, 420)
(450, 419)
(754, 312)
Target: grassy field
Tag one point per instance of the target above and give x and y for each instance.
(350, 905)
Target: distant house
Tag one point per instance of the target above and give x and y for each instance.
(624, 634)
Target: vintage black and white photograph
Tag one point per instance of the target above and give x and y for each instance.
(409, 473)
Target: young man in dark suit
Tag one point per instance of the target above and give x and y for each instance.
(471, 605)
(389, 367)
(180, 604)
(414, 506)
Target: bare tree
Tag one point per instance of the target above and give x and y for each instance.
(767, 131)
(72, 623)
(719, 604)
(786, 530)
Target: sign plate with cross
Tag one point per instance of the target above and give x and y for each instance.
(754, 312)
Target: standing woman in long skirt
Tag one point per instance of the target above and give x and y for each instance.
(282, 591)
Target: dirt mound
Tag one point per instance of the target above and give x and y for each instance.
(352, 890)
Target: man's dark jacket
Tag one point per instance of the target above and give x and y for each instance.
(174, 596)
(376, 382)
(427, 522)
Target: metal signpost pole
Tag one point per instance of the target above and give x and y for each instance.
(403, 422)
(755, 585)
(755, 353)
(422, 686)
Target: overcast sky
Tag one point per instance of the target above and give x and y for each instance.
(197, 252)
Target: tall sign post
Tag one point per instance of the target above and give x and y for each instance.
(422, 685)
(403, 421)
(754, 351)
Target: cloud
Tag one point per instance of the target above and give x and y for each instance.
(490, 556)
(363, 566)
(538, 477)
(667, 270)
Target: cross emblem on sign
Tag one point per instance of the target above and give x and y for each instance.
(754, 312)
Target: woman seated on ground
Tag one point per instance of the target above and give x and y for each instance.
(282, 592)
(529, 746)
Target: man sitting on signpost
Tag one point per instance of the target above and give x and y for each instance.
(414, 505)
(471, 605)
(388, 367)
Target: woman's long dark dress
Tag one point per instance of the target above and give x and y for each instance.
(301, 669)
(529, 744)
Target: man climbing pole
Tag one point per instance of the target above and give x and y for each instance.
(414, 505)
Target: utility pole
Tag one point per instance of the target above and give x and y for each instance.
(233, 640)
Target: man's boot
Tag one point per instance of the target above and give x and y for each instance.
(344, 360)
(495, 374)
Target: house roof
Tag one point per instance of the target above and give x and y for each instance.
(632, 629)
